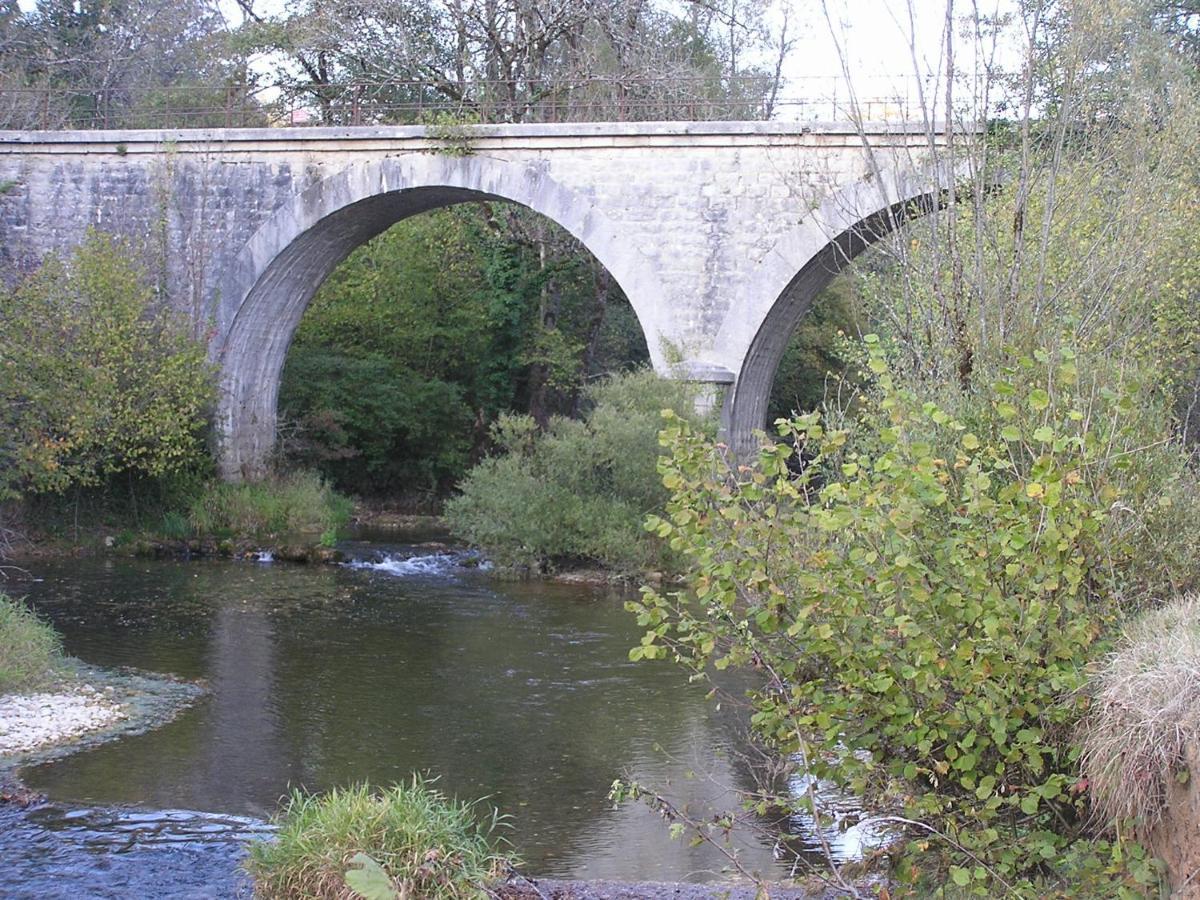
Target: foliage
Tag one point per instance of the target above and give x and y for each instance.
(30, 650)
(426, 845)
(426, 334)
(812, 362)
(921, 598)
(451, 134)
(96, 378)
(373, 425)
(1080, 222)
(120, 65)
(1144, 712)
(368, 879)
(579, 490)
(283, 504)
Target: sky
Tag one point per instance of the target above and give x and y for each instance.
(886, 51)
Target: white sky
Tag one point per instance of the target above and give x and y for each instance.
(888, 45)
(875, 34)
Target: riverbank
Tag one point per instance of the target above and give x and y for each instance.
(29, 722)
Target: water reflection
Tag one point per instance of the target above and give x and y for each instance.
(322, 676)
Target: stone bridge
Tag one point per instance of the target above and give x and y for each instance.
(719, 233)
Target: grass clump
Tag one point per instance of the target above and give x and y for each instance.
(296, 502)
(1145, 711)
(425, 844)
(30, 650)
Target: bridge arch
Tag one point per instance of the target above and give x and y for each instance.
(263, 295)
(845, 224)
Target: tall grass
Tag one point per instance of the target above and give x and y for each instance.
(30, 650)
(428, 846)
(296, 502)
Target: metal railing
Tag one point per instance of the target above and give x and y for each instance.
(361, 103)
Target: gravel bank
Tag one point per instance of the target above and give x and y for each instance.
(30, 722)
(86, 706)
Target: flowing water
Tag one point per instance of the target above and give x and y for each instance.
(404, 661)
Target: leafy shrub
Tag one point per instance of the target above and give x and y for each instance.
(581, 489)
(1145, 709)
(30, 650)
(99, 378)
(922, 598)
(426, 845)
(296, 502)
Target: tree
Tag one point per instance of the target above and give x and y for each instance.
(117, 63)
(518, 60)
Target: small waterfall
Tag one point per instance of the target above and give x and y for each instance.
(426, 565)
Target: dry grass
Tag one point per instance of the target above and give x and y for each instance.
(1145, 710)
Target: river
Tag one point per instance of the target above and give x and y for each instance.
(407, 661)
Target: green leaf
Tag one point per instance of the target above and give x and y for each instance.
(370, 881)
(960, 876)
(1010, 433)
(1038, 399)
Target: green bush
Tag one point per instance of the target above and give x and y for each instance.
(580, 490)
(99, 378)
(30, 650)
(282, 504)
(426, 845)
(922, 599)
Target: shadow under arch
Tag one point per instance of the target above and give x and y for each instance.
(745, 408)
(265, 292)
